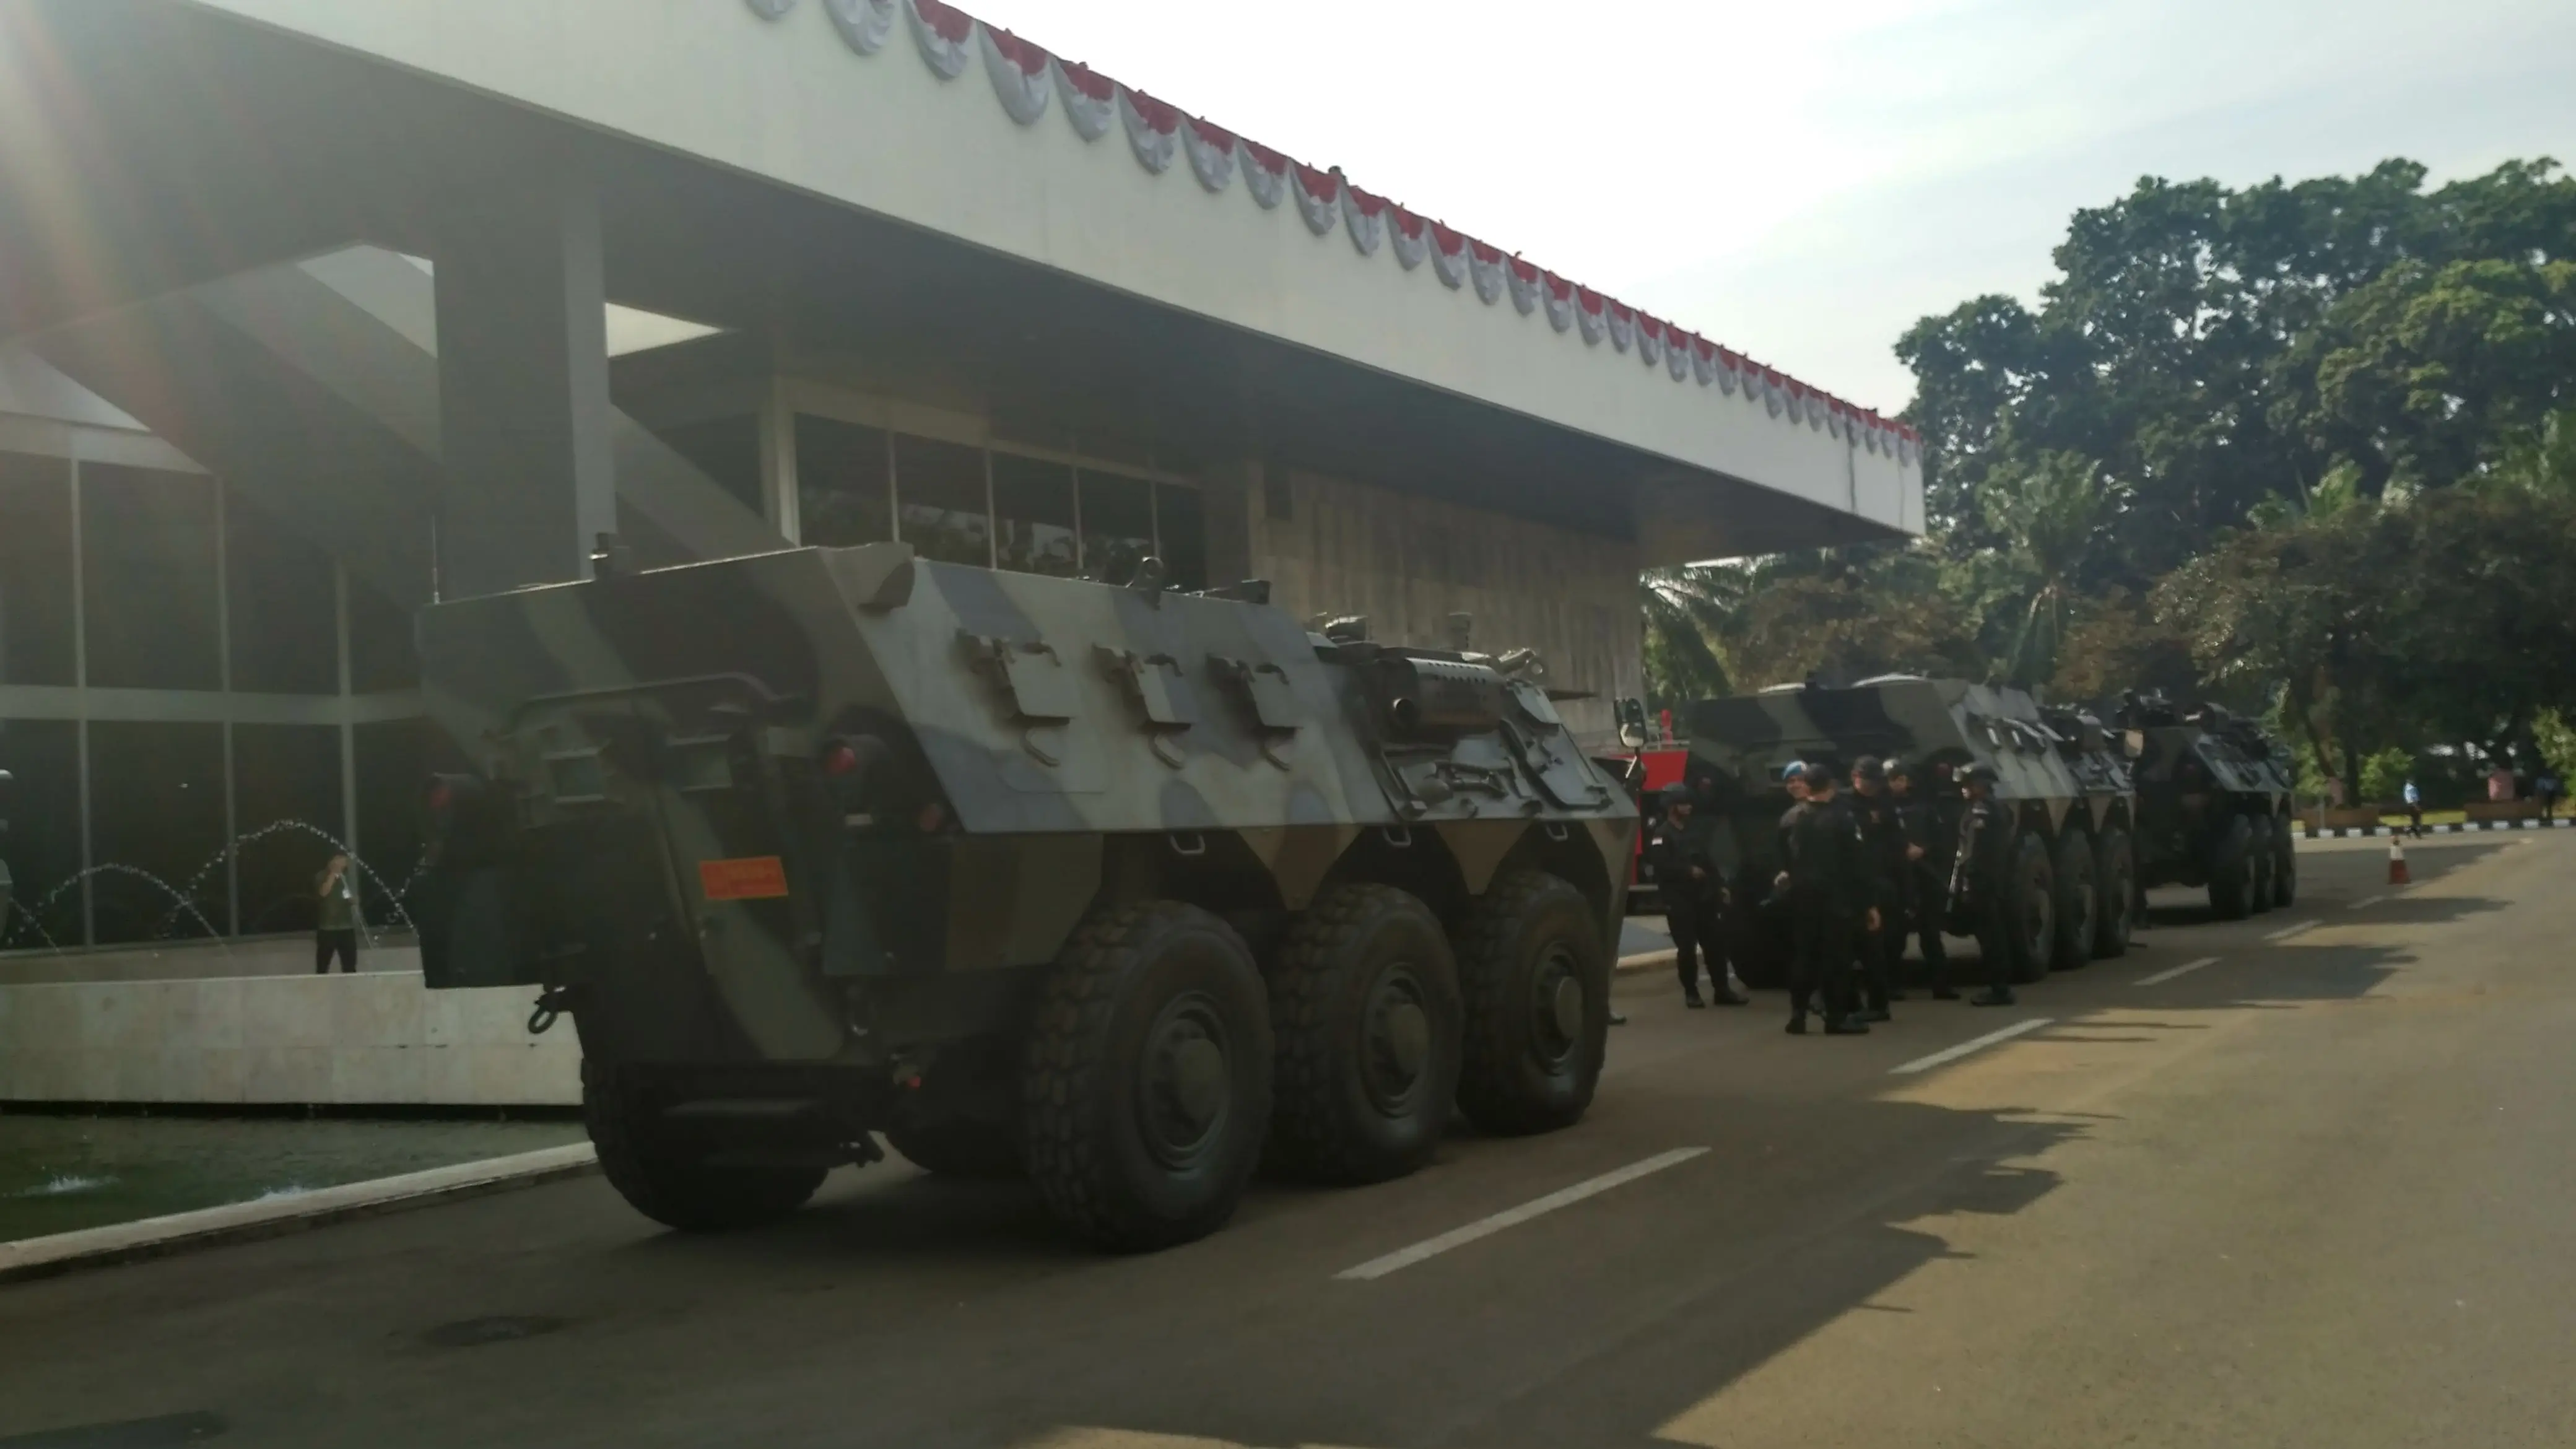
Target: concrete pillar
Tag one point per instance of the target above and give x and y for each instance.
(524, 420)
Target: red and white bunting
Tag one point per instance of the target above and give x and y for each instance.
(1561, 306)
(1449, 256)
(945, 34)
(1265, 173)
(1153, 129)
(1319, 197)
(1365, 215)
(1027, 79)
(1211, 149)
(1409, 235)
(1021, 75)
(865, 25)
(1090, 99)
(1485, 264)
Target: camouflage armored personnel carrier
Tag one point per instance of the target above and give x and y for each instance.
(1120, 888)
(2215, 800)
(2076, 881)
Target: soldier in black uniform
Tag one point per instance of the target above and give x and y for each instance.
(1931, 821)
(1695, 899)
(1828, 902)
(1987, 843)
(1886, 859)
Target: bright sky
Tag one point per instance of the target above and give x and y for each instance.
(1802, 182)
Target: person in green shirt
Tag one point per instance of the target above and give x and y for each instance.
(335, 918)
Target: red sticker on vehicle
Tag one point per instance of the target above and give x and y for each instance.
(754, 878)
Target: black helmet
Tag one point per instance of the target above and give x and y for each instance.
(1674, 794)
(1867, 767)
(1976, 771)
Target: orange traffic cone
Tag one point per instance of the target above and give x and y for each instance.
(2397, 875)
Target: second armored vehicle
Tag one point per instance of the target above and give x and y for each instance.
(2076, 878)
(1122, 889)
(2215, 801)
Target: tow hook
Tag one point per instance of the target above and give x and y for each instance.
(552, 1003)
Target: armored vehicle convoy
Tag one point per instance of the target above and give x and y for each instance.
(2058, 769)
(2214, 804)
(1123, 889)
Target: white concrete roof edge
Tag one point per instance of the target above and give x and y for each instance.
(789, 101)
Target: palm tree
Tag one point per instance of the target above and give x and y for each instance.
(2055, 512)
(1689, 610)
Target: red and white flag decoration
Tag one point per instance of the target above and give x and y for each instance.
(944, 33)
(1212, 149)
(1449, 256)
(865, 25)
(1021, 76)
(1026, 80)
(1153, 129)
(1485, 264)
(1265, 173)
(1090, 99)
(1409, 235)
(1366, 217)
(1319, 196)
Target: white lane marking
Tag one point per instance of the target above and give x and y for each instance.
(2161, 977)
(1925, 1064)
(2365, 903)
(1514, 1217)
(2286, 932)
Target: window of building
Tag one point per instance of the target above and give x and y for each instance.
(284, 777)
(157, 812)
(381, 657)
(727, 450)
(43, 846)
(36, 630)
(940, 487)
(1033, 515)
(1180, 534)
(841, 496)
(283, 617)
(1117, 524)
(148, 579)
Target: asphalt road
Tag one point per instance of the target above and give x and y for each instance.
(2314, 1192)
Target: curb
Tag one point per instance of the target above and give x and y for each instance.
(2351, 832)
(33, 1258)
(1644, 961)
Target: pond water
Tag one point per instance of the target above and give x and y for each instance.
(61, 1173)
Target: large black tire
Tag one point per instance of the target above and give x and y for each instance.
(2115, 886)
(1536, 980)
(665, 1181)
(2034, 905)
(2259, 860)
(1364, 1003)
(2285, 864)
(952, 1146)
(2078, 903)
(1146, 1084)
(2231, 872)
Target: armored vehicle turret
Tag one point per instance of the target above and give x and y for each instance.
(1118, 888)
(2059, 770)
(2214, 804)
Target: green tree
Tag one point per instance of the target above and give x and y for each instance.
(1687, 610)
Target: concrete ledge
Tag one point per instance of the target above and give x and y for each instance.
(275, 1217)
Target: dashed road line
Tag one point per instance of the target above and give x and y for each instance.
(2286, 932)
(2161, 977)
(1925, 1064)
(1513, 1217)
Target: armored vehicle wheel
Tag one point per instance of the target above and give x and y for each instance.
(1364, 1002)
(2034, 887)
(2078, 903)
(1536, 980)
(2115, 882)
(1146, 1082)
(955, 1146)
(2258, 860)
(666, 1182)
(2231, 872)
(2285, 863)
